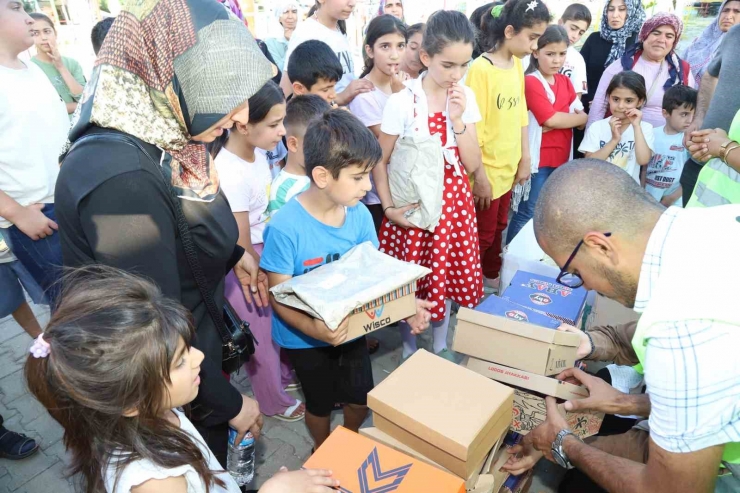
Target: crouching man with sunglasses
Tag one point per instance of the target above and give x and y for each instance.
(677, 268)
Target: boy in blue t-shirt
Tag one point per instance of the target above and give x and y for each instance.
(662, 175)
(317, 227)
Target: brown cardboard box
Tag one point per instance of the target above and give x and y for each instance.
(380, 436)
(515, 344)
(466, 469)
(383, 312)
(526, 380)
(444, 411)
(530, 411)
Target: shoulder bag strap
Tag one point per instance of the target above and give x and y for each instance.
(183, 229)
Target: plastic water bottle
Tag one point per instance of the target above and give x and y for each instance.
(240, 459)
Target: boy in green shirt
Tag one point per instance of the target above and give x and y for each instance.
(64, 73)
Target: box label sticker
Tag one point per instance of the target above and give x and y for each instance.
(540, 299)
(517, 315)
(371, 465)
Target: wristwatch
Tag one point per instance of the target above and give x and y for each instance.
(557, 449)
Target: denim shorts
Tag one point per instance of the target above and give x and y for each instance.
(14, 278)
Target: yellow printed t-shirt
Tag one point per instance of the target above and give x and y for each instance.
(500, 97)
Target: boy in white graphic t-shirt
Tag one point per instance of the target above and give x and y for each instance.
(663, 174)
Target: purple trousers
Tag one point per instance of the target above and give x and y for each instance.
(269, 372)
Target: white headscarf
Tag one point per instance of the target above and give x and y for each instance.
(279, 8)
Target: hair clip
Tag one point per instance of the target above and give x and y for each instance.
(40, 348)
(531, 5)
(496, 11)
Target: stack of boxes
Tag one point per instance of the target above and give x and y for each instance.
(513, 340)
(446, 415)
(435, 419)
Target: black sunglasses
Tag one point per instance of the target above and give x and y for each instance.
(572, 279)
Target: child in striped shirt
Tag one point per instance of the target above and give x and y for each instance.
(292, 179)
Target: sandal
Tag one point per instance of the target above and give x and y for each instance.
(293, 386)
(289, 415)
(16, 446)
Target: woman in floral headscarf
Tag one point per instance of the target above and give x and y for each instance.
(170, 77)
(620, 23)
(702, 49)
(654, 58)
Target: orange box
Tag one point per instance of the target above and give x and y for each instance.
(362, 465)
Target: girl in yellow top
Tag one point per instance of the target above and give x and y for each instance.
(509, 32)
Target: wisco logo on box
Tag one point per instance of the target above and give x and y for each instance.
(377, 321)
(540, 299)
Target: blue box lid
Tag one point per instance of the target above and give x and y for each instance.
(545, 295)
(503, 308)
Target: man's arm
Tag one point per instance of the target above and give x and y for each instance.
(665, 472)
(614, 343)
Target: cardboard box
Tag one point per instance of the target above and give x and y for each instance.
(363, 465)
(547, 296)
(465, 469)
(526, 380)
(523, 253)
(530, 411)
(397, 305)
(445, 411)
(378, 435)
(498, 306)
(515, 344)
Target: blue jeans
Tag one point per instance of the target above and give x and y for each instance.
(526, 209)
(41, 258)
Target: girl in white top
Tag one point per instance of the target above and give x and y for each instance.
(328, 25)
(113, 367)
(385, 44)
(622, 139)
(245, 178)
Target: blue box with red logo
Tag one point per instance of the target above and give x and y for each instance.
(545, 295)
(494, 305)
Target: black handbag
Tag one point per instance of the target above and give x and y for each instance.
(238, 342)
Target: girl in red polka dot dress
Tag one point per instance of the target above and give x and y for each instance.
(437, 104)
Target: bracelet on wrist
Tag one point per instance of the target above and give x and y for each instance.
(723, 150)
(386, 208)
(465, 127)
(593, 348)
(728, 151)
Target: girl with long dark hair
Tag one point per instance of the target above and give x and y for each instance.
(114, 367)
(385, 44)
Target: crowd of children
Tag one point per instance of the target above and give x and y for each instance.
(500, 130)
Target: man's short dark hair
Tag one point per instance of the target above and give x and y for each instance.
(99, 32)
(577, 12)
(678, 96)
(303, 109)
(311, 61)
(337, 140)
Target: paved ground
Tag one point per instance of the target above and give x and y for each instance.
(282, 444)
